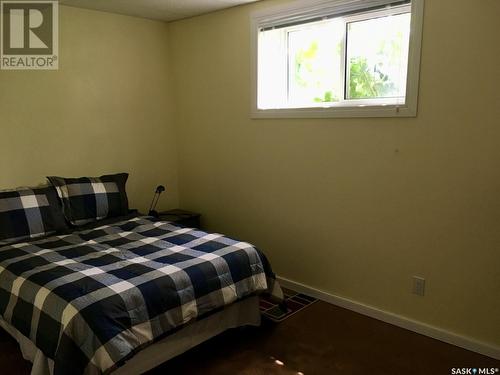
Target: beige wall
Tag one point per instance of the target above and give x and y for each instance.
(107, 109)
(355, 207)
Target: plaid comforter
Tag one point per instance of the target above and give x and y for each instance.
(91, 299)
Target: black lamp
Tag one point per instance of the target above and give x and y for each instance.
(160, 189)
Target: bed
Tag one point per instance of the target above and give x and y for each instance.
(127, 295)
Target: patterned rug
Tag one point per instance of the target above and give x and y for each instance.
(294, 302)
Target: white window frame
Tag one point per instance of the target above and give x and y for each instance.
(308, 9)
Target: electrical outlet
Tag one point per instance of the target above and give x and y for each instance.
(418, 286)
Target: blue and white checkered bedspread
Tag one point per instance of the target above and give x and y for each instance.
(89, 300)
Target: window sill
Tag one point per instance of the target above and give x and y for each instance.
(336, 112)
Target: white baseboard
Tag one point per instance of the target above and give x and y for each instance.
(397, 320)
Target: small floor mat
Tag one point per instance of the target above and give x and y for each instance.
(293, 303)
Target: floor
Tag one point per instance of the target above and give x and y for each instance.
(321, 339)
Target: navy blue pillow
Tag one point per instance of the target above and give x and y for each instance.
(27, 213)
(88, 199)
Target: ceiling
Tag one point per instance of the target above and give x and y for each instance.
(164, 10)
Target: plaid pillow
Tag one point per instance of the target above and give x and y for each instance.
(29, 213)
(88, 199)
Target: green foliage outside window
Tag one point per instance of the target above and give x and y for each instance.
(304, 60)
(327, 98)
(304, 64)
(365, 83)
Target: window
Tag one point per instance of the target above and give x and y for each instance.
(337, 58)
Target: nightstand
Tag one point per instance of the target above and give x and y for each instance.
(181, 217)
